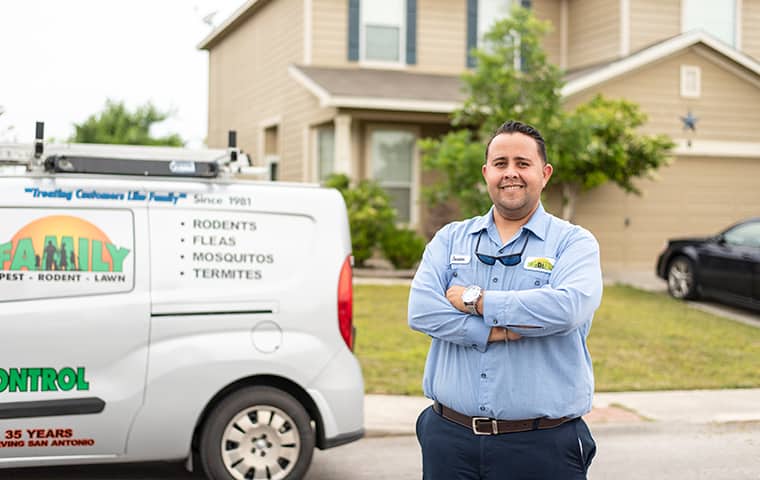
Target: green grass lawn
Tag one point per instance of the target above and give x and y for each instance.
(639, 341)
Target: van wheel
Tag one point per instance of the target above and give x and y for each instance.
(257, 432)
(682, 280)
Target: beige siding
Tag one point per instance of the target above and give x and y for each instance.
(751, 28)
(549, 10)
(653, 21)
(441, 36)
(243, 95)
(693, 197)
(593, 32)
(301, 112)
(330, 33)
(727, 109)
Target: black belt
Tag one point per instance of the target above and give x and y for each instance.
(492, 426)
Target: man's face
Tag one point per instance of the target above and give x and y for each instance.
(515, 175)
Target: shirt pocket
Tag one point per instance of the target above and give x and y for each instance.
(532, 279)
(461, 274)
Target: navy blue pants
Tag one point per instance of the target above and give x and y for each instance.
(452, 452)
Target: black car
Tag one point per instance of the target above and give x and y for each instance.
(725, 267)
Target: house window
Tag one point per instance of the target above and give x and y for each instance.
(716, 17)
(383, 30)
(325, 152)
(392, 154)
(690, 81)
(490, 12)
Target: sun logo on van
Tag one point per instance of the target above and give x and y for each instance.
(62, 242)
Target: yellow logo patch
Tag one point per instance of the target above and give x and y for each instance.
(539, 264)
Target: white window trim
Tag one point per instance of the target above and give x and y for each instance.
(364, 62)
(625, 27)
(307, 31)
(686, 70)
(738, 26)
(414, 191)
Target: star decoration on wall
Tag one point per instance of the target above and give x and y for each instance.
(689, 122)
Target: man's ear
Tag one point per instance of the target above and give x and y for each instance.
(548, 170)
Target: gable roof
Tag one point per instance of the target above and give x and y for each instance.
(588, 78)
(381, 89)
(232, 22)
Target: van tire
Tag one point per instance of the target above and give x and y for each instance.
(257, 428)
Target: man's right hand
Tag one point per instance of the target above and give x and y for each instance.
(501, 334)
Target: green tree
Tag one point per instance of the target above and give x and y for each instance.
(595, 143)
(116, 124)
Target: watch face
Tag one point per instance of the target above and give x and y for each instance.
(470, 294)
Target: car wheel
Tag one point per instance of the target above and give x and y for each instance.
(257, 432)
(682, 281)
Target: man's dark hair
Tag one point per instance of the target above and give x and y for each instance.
(513, 126)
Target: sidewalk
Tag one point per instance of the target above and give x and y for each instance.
(396, 415)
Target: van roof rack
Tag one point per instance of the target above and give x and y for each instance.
(127, 166)
(129, 159)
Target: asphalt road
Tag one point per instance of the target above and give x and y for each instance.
(666, 451)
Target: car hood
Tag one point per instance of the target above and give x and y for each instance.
(689, 241)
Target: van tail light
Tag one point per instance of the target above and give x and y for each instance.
(345, 304)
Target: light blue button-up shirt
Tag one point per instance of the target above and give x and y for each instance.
(549, 298)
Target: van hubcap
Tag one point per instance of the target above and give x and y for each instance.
(260, 442)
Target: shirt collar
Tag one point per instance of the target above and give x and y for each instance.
(538, 223)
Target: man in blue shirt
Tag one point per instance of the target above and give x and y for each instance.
(508, 300)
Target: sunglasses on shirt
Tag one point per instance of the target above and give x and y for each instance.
(508, 260)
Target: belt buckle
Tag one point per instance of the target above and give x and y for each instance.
(493, 422)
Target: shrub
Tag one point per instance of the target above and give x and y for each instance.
(403, 247)
(370, 214)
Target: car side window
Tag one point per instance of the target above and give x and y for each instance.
(746, 235)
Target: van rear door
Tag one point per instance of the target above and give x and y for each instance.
(74, 306)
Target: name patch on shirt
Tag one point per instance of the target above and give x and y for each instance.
(539, 264)
(457, 258)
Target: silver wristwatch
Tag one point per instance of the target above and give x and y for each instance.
(470, 297)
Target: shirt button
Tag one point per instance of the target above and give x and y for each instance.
(482, 375)
(537, 283)
(495, 279)
(482, 409)
(495, 321)
(474, 345)
(455, 274)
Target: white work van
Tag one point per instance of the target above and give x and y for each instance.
(179, 314)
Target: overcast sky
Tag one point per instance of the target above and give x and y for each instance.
(61, 60)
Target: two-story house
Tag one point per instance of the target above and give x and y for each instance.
(322, 86)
